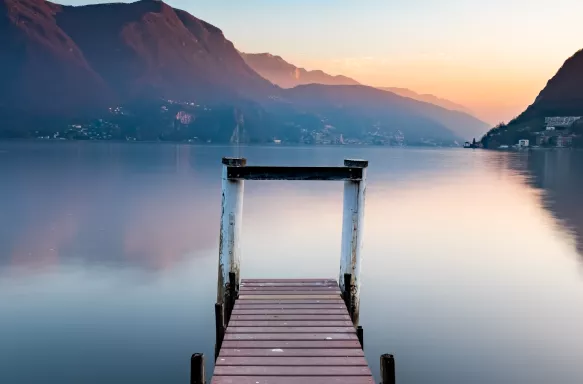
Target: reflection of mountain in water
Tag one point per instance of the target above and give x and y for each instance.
(560, 175)
(109, 205)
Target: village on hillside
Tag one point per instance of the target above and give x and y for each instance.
(556, 132)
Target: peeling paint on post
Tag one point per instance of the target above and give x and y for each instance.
(352, 226)
(231, 216)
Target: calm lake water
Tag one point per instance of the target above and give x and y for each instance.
(472, 268)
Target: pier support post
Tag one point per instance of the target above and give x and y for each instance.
(360, 335)
(219, 328)
(352, 227)
(197, 375)
(387, 369)
(347, 293)
(231, 216)
(232, 296)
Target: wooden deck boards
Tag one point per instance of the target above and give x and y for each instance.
(290, 331)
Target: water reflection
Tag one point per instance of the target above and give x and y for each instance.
(559, 174)
(108, 254)
(148, 206)
(101, 205)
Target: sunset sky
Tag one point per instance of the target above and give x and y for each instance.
(492, 56)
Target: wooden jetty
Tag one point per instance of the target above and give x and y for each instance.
(282, 331)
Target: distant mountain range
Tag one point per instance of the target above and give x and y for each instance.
(286, 75)
(428, 98)
(561, 97)
(147, 71)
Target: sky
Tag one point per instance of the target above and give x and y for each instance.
(491, 56)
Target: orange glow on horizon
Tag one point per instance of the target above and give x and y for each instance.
(492, 92)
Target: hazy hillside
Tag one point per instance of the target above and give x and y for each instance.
(390, 111)
(286, 75)
(345, 105)
(428, 99)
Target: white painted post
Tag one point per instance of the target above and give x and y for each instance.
(352, 227)
(231, 216)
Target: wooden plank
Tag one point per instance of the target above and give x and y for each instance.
(292, 380)
(292, 361)
(264, 317)
(289, 323)
(329, 288)
(224, 370)
(300, 301)
(294, 173)
(289, 281)
(290, 352)
(244, 281)
(289, 284)
(289, 306)
(335, 291)
(294, 330)
(290, 336)
(297, 344)
(287, 297)
(288, 329)
(289, 311)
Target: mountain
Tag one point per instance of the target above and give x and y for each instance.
(35, 55)
(358, 106)
(355, 108)
(286, 75)
(147, 71)
(562, 96)
(97, 55)
(428, 98)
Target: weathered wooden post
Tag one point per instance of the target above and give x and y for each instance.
(232, 296)
(197, 375)
(347, 293)
(387, 369)
(219, 328)
(231, 216)
(352, 227)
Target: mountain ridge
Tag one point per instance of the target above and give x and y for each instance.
(148, 71)
(429, 98)
(122, 50)
(280, 72)
(285, 74)
(561, 97)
